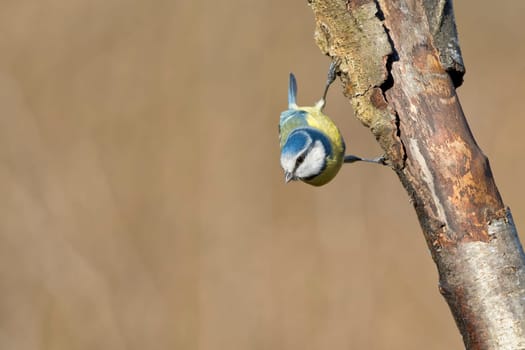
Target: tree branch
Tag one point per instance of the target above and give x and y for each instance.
(400, 63)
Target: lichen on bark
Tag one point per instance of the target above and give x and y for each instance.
(353, 33)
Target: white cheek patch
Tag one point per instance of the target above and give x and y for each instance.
(288, 163)
(288, 160)
(313, 162)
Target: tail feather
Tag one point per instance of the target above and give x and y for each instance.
(292, 92)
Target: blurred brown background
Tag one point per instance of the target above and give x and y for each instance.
(143, 206)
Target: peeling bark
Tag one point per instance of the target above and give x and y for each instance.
(442, 26)
(400, 63)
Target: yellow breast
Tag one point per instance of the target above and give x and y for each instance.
(316, 119)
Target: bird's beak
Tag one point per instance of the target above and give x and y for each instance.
(288, 177)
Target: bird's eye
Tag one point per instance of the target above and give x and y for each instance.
(300, 159)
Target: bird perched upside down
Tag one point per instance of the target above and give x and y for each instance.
(312, 148)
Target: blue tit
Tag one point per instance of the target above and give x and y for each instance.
(312, 148)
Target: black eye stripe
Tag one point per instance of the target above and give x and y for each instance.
(299, 161)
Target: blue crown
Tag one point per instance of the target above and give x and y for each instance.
(299, 138)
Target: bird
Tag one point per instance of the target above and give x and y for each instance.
(312, 147)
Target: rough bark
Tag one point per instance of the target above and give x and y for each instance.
(442, 25)
(400, 63)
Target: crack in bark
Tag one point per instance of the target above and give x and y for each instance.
(388, 83)
(354, 30)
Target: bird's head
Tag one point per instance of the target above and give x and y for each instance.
(303, 156)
